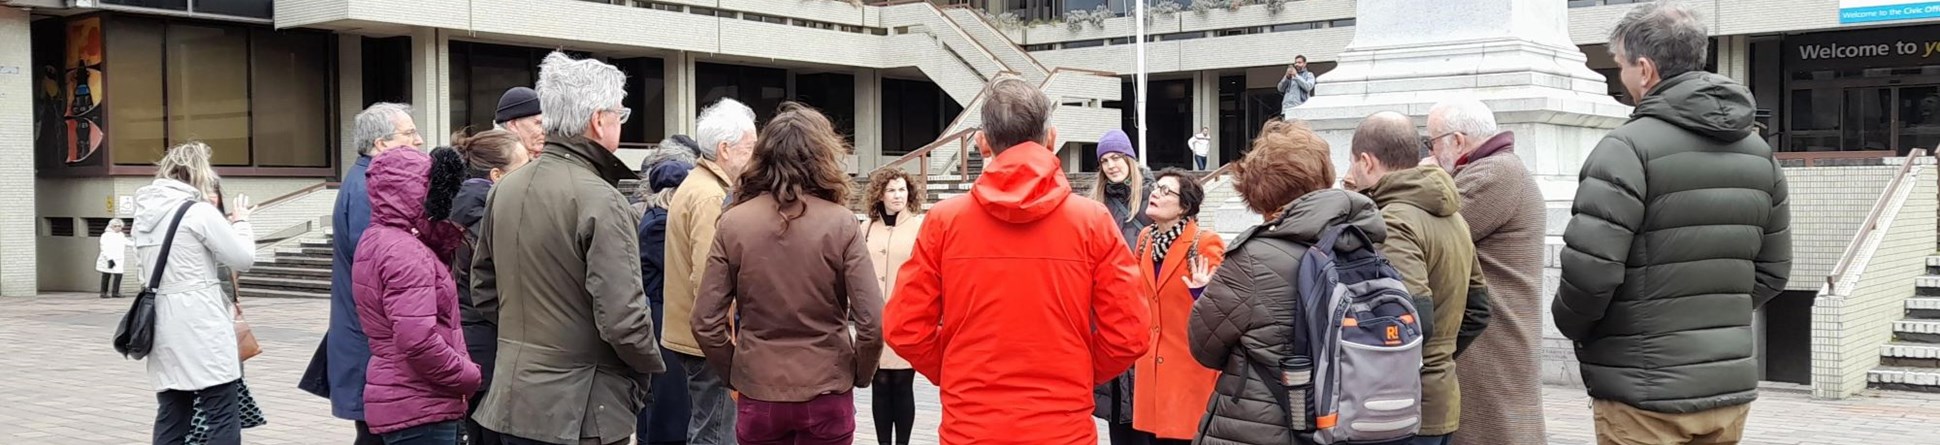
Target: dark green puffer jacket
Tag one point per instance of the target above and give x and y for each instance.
(1679, 230)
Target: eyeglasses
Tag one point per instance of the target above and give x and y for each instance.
(1163, 191)
(1432, 139)
(624, 113)
(406, 133)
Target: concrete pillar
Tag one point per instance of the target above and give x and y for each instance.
(431, 85)
(1205, 111)
(18, 254)
(1734, 58)
(868, 120)
(681, 109)
(350, 96)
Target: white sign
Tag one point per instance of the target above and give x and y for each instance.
(1869, 11)
(124, 205)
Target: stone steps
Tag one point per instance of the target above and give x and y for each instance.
(1904, 378)
(1911, 362)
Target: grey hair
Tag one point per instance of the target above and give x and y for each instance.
(1466, 116)
(115, 223)
(572, 91)
(669, 150)
(1668, 34)
(725, 122)
(1014, 112)
(374, 123)
(189, 163)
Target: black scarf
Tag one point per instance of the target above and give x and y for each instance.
(1162, 241)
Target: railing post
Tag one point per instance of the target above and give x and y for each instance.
(924, 168)
(963, 163)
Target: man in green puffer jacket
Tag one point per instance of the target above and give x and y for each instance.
(1680, 230)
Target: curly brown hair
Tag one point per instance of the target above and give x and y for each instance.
(879, 181)
(1287, 161)
(798, 155)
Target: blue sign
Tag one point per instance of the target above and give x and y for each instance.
(1868, 11)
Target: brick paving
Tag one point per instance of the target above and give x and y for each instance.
(63, 384)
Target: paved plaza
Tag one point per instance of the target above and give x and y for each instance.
(62, 383)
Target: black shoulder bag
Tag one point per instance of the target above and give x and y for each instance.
(135, 336)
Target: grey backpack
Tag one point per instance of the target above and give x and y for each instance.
(1354, 375)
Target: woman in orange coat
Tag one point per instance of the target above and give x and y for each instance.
(1177, 259)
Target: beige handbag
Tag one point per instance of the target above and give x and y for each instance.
(246, 345)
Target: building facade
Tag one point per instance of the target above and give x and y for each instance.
(92, 91)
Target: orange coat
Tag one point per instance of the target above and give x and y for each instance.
(1170, 389)
(1016, 301)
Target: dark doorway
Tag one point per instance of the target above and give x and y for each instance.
(1787, 338)
(1168, 122)
(914, 114)
(762, 89)
(834, 95)
(387, 70)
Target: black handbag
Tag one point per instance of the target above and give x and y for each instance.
(135, 336)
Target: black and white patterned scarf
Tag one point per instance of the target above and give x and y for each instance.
(1162, 242)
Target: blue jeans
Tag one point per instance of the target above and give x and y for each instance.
(441, 433)
(711, 419)
(1199, 162)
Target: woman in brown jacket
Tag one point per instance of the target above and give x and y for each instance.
(791, 265)
(1176, 259)
(894, 201)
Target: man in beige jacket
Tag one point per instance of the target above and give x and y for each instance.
(726, 134)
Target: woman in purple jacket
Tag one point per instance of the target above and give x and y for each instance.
(419, 375)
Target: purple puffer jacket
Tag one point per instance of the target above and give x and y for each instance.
(419, 372)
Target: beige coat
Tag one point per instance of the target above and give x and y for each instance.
(889, 248)
(1502, 401)
(691, 218)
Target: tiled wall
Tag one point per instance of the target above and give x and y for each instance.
(17, 250)
(1850, 323)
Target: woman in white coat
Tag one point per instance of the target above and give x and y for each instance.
(114, 247)
(194, 355)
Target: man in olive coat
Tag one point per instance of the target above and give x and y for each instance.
(558, 267)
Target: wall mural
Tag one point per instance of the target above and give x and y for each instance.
(84, 95)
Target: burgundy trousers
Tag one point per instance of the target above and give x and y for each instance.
(828, 419)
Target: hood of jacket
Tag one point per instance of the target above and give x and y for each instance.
(155, 206)
(608, 166)
(1023, 184)
(398, 182)
(1307, 217)
(468, 207)
(1430, 189)
(1704, 103)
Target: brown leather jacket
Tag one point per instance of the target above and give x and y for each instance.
(797, 286)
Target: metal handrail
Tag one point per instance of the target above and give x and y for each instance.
(299, 192)
(922, 154)
(1866, 228)
(1216, 173)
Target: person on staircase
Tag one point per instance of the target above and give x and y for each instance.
(1176, 259)
(894, 202)
(1121, 186)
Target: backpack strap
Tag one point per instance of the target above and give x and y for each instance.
(1331, 237)
(168, 241)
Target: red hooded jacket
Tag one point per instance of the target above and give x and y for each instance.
(1017, 300)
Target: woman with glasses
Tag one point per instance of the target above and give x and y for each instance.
(1177, 259)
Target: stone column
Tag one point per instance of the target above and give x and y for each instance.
(350, 97)
(1205, 112)
(681, 109)
(18, 256)
(1515, 56)
(868, 120)
(431, 85)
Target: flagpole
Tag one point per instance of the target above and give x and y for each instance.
(1138, 119)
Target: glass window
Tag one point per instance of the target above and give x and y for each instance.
(1303, 26)
(179, 5)
(646, 94)
(1083, 44)
(136, 117)
(1868, 118)
(1342, 23)
(261, 9)
(289, 99)
(1815, 119)
(208, 96)
(1919, 118)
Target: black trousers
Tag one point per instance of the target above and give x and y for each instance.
(364, 436)
(893, 400)
(106, 289)
(175, 415)
(475, 434)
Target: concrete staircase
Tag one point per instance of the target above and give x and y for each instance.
(1911, 362)
(296, 270)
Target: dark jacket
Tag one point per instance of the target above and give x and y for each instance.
(1246, 314)
(795, 286)
(419, 373)
(1680, 229)
(481, 333)
(337, 369)
(653, 253)
(576, 344)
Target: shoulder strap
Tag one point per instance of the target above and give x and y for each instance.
(168, 241)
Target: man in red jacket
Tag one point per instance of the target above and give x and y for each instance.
(1019, 298)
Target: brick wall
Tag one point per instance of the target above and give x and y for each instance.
(1828, 204)
(17, 250)
(1852, 321)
